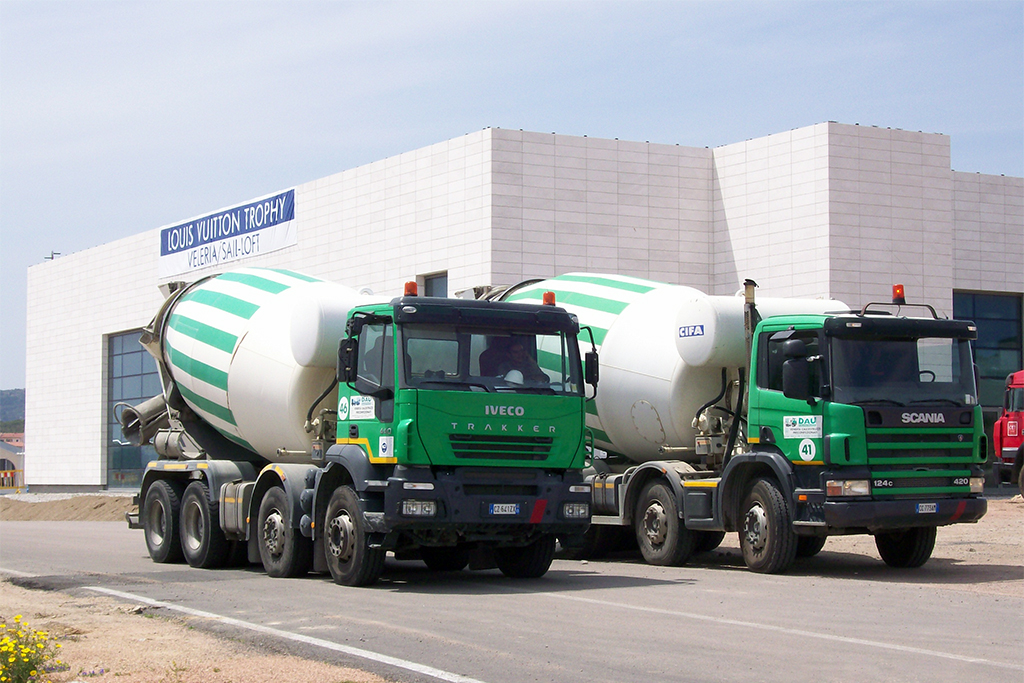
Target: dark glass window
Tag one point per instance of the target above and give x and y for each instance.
(998, 350)
(436, 285)
(132, 379)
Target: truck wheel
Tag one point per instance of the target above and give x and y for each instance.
(284, 550)
(527, 562)
(598, 541)
(351, 560)
(202, 540)
(447, 559)
(766, 536)
(160, 514)
(809, 546)
(706, 541)
(906, 549)
(661, 535)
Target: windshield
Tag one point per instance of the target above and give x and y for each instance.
(904, 372)
(1014, 400)
(489, 359)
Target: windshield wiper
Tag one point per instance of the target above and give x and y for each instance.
(941, 401)
(878, 401)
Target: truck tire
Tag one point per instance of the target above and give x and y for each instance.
(766, 532)
(160, 513)
(908, 548)
(448, 559)
(661, 535)
(598, 541)
(202, 540)
(527, 562)
(706, 541)
(285, 552)
(350, 559)
(809, 546)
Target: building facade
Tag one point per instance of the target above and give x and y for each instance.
(831, 210)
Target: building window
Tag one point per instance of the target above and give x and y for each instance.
(999, 349)
(132, 378)
(436, 285)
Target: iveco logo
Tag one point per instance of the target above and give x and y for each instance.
(516, 411)
(926, 418)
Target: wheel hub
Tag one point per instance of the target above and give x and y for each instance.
(156, 525)
(193, 526)
(273, 532)
(655, 523)
(755, 527)
(341, 537)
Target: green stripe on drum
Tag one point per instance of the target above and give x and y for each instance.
(236, 439)
(254, 281)
(636, 287)
(207, 406)
(218, 339)
(594, 303)
(222, 302)
(198, 369)
(297, 276)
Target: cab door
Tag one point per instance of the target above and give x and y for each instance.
(794, 425)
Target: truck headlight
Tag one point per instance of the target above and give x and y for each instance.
(419, 508)
(848, 487)
(977, 484)
(576, 510)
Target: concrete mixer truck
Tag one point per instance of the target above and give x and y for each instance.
(305, 426)
(784, 420)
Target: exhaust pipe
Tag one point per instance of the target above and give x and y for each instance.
(140, 423)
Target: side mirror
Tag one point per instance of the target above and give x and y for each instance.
(796, 376)
(592, 369)
(347, 360)
(794, 348)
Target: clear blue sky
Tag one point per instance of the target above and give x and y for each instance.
(116, 118)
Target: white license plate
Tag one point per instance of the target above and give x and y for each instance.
(504, 508)
(927, 508)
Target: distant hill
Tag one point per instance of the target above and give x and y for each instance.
(12, 404)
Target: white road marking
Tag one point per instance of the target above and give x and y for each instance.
(318, 642)
(787, 631)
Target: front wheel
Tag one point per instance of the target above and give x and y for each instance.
(285, 552)
(662, 537)
(447, 559)
(766, 536)
(908, 548)
(809, 546)
(527, 562)
(202, 540)
(350, 559)
(160, 513)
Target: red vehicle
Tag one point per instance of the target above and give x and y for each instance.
(1008, 434)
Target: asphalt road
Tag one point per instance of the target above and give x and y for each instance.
(837, 617)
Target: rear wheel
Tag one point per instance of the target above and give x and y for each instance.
(350, 559)
(527, 562)
(706, 541)
(202, 540)
(766, 536)
(285, 552)
(448, 559)
(661, 535)
(160, 513)
(908, 548)
(809, 546)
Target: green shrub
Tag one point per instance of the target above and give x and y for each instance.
(27, 656)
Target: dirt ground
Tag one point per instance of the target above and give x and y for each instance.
(165, 649)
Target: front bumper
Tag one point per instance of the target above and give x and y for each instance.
(485, 504)
(889, 515)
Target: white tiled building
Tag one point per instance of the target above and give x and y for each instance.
(829, 210)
